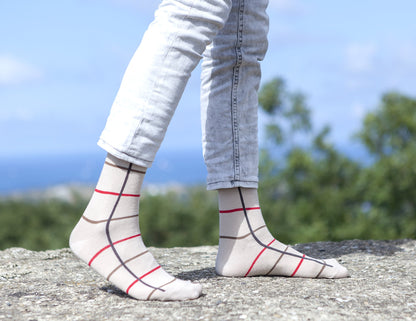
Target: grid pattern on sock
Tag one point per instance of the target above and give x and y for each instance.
(116, 194)
(108, 246)
(126, 261)
(162, 286)
(111, 246)
(278, 260)
(265, 247)
(257, 257)
(104, 221)
(141, 277)
(241, 237)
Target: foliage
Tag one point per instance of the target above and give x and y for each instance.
(389, 133)
(182, 218)
(309, 192)
(188, 218)
(321, 194)
(288, 111)
(391, 128)
(37, 225)
(311, 197)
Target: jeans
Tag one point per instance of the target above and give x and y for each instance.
(231, 37)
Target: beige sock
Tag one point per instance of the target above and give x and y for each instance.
(108, 238)
(246, 247)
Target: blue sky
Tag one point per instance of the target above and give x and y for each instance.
(61, 63)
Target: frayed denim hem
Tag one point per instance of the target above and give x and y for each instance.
(121, 155)
(232, 184)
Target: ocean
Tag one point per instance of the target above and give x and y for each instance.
(21, 174)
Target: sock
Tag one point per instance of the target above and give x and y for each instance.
(247, 248)
(108, 238)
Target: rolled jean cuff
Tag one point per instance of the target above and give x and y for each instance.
(122, 155)
(231, 184)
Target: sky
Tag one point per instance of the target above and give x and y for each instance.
(61, 63)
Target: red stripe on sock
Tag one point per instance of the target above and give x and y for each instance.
(130, 286)
(106, 247)
(297, 268)
(113, 193)
(144, 275)
(255, 260)
(239, 209)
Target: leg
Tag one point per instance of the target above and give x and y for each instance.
(108, 236)
(230, 80)
(157, 75)
(229, 83)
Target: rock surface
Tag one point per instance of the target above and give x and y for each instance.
(54, 285)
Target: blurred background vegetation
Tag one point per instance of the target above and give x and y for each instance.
(309, 190)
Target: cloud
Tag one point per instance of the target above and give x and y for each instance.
(360, 57)
(15, 72)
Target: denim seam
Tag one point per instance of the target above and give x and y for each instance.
(234, 92)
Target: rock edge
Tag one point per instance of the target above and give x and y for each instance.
(55, 285)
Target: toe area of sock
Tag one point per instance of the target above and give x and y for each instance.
(190, 291)
(338, 271)
(179, 291)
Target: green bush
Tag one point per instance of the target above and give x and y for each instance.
(38, 225)
(311, 192)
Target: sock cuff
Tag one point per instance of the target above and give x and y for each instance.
(114, 161)
(230, 198)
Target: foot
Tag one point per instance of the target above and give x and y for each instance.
(109, 240)
(247, 248)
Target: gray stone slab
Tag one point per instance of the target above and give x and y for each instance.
(54, 285)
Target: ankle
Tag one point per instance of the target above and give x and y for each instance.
(231, 197)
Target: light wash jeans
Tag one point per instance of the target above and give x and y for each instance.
(231, 36)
